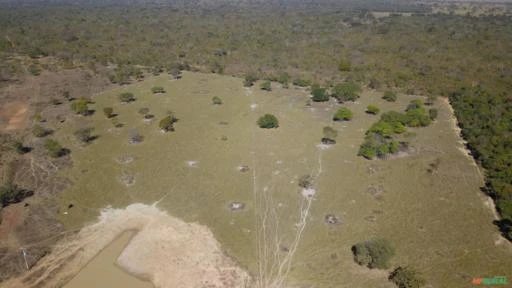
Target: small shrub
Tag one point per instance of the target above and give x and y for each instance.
(343, 114)
(55, 101)
(216, 101)
(284, 78)
(109, 112)
(19, 148)
(39, 131)
(372, 109)
(250, 78)
(167, 123)
(268, 121)
(80, 106)
(126, 97)
(116, 123)
(319, 94)
(330, 135)
(84, 134)
(54, 148)
(407, 277)
(348, 91)
(432, 113)
(267, 86)
(135, 137)
(34, 70)
(143, 111)
(306, 181)
(374, 253)
(344, 66)
(301, 82)
(10, 193)
(389, 96)
(157, 89)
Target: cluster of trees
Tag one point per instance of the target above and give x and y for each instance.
(376, 254)
(347, 91)
(380, 139)
(485, 119)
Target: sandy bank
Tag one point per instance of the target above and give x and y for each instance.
(166, 251)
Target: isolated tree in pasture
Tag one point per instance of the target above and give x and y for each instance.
(343, 114)
(266, 85)
(372, 109)
(84, 134)
(374, 253)
(80, 106)
(406, 277)
(268, 121)
(389, 96)
(167, 123)
(319, 94)
(157, 89)
(330, 135)
(54, 148)
(126, 97)
(216, 100)
(109, 112)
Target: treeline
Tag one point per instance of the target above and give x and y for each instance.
(486, 122)
(421, 54)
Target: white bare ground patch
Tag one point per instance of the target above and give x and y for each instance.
(254, 106)
(308, 192)
(166, 251)
(323, 146)
(192, 163)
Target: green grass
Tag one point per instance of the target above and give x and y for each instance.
(422, 213)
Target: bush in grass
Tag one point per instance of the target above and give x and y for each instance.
(20, 148)
(344, 66)
(406, 277)
(301, 82)
(143, 111)
(84, 134)
(330, 135)
(284, 78)
(167, 123)
(268, 121)
(266, 85)
(54, 148)
(372, 109)
(109, 112)
(319, 94)
(157, 89)
(80, 106)
(375, 253)
(432, 113)
(306, 181)
(348, 91)
(389, 96)
(216, 101)
(135, 137)
(343, 114)
(39, 131)
(250, 78)
(126, 97)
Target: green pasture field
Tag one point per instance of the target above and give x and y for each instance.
(437, 220)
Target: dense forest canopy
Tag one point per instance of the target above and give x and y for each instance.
(318, 41)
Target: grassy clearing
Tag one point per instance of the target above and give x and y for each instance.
(193, 173)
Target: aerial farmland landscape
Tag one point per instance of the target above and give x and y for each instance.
(267, 144)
